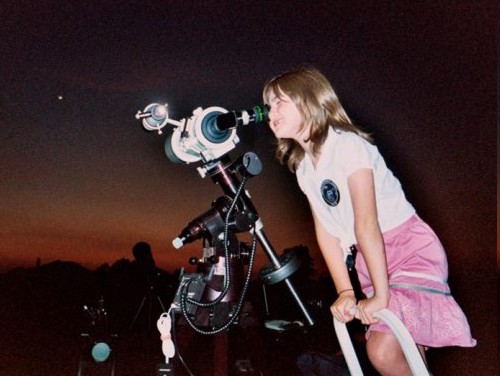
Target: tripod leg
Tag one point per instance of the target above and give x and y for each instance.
(161, 304)
(81, 366)
(150, 313)
(113, 364)
(137, 313)
(273, 257)
(151, 309)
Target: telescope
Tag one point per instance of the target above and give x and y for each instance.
(205, 136)
(208, 135)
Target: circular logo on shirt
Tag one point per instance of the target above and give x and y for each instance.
(330, 192)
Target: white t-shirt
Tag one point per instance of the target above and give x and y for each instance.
(328, 193)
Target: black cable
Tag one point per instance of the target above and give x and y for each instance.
(227, 279)
(227, 275)
(236, 312)
(174, 332)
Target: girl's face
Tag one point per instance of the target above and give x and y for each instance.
(285, 118)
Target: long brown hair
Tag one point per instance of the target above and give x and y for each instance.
(320, 107)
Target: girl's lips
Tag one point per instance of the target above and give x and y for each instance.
(276, 124)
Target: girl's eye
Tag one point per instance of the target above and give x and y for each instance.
(274, 103)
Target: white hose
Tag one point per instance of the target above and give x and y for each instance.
(347, 348)
(410, 349)
(413, 356)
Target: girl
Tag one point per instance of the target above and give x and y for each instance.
(356, 201)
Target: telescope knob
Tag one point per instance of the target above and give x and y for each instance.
(141, 115)
(213, 259)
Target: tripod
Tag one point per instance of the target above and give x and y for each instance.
(149, 297)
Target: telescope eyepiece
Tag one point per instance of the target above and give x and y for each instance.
(232, 119)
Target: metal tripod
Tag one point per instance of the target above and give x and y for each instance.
(149, 297)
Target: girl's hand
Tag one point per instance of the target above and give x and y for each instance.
(343, 308)
(367, 307)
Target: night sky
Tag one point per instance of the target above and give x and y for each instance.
(82, 181)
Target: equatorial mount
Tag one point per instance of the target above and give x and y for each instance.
(227, 176)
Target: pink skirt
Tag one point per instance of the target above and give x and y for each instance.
(419, 292)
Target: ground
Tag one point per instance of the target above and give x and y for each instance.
(43, 317)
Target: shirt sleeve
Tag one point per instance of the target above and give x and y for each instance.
(356, 153)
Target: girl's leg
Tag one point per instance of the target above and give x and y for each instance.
(386, 355)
